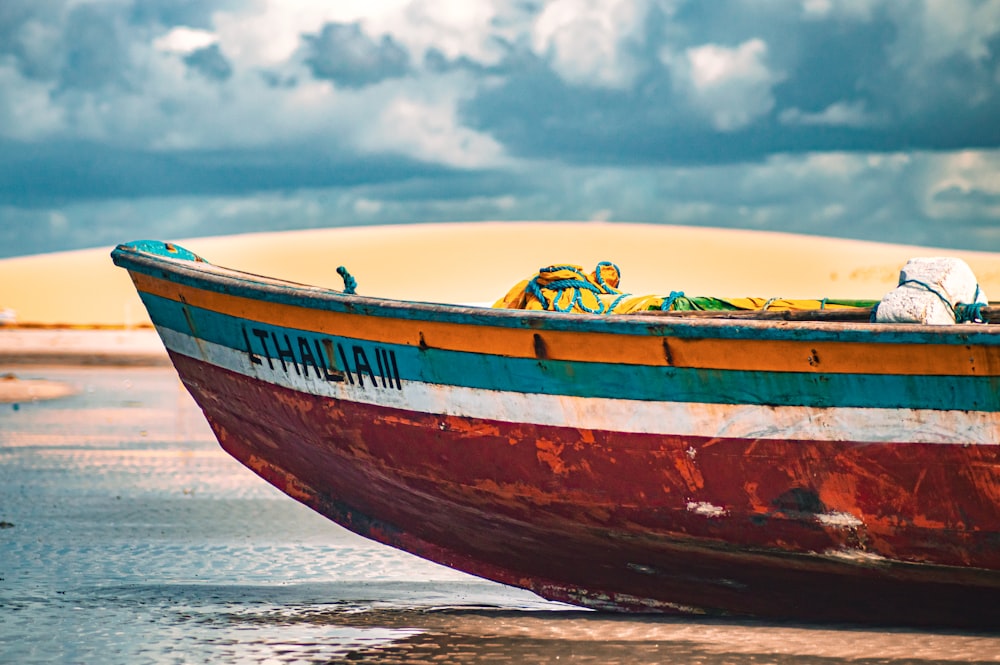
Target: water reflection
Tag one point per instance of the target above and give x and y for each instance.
(400, 623)
(133, 538)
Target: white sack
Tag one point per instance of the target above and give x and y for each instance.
(946, 279)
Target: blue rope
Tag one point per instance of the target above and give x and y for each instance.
(928, 287)
(970, 313)
(617, 301)
(578, 301)
(350, 284)
(562, 284)
(600, 278)
(572, 269)
(963, 312)
(534, 290)
(578, 285)
(668, 302)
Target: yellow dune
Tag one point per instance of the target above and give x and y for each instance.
(479, 262)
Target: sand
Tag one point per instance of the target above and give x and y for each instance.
(15, 390)
(476, 263)
(81, 346)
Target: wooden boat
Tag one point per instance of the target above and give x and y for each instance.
(817, 470)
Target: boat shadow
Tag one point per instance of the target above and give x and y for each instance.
(469, 622)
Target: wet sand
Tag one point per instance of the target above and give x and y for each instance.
(128, 536)
(67, 346)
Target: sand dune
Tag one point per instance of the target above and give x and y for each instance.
(479, 262)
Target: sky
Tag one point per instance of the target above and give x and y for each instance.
(167, 119)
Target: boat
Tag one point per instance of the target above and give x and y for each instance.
(799, 465)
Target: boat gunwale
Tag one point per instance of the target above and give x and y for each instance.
(202, 274)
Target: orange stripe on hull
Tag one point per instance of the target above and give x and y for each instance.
(705, 353)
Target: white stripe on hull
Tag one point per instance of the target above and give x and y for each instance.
(621, 415)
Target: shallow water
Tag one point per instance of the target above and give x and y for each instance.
(128, 536)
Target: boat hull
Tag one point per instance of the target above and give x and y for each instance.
(790, 558)
(792, 472)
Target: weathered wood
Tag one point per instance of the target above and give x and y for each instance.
(851, 314)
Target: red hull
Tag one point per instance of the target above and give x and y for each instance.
(566, 513)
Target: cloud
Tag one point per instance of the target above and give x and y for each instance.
(421, 120)
(964, 186)
(29, 37)
(185, 40)
(838, 114)
(187, 14)
(861, 10)
(59, 173)
(975, 198)
(638, 81)
(29, 114)
(210, 63)
(478, 32)
(96, 53)
(587, 41)
(733, 85)
(348, 57)
(842, 194)
(936, 30)
(943, 60)
(862, 117)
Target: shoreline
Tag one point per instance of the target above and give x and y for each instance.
(108, 347)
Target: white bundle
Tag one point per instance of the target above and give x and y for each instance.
(929, 289)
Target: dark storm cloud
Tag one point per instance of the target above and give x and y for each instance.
(87, 46)
(578, 113)
(344, 54)
(33, 175)
(975, 197)
(945, 105)
(28, 32)
(457, 186)
(15, 14)
(828, 62)
(96, 50)
(189, 13)
(210, 63)
(420, 196)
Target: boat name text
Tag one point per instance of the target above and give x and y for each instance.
(322, 354)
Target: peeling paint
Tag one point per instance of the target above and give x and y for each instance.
(846, 520)
(550, 454)
(857, 556)
(616, 601)
(705, 508)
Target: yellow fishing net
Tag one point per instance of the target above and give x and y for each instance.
(567, 288)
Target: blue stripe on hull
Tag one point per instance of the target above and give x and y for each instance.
(582, 379)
